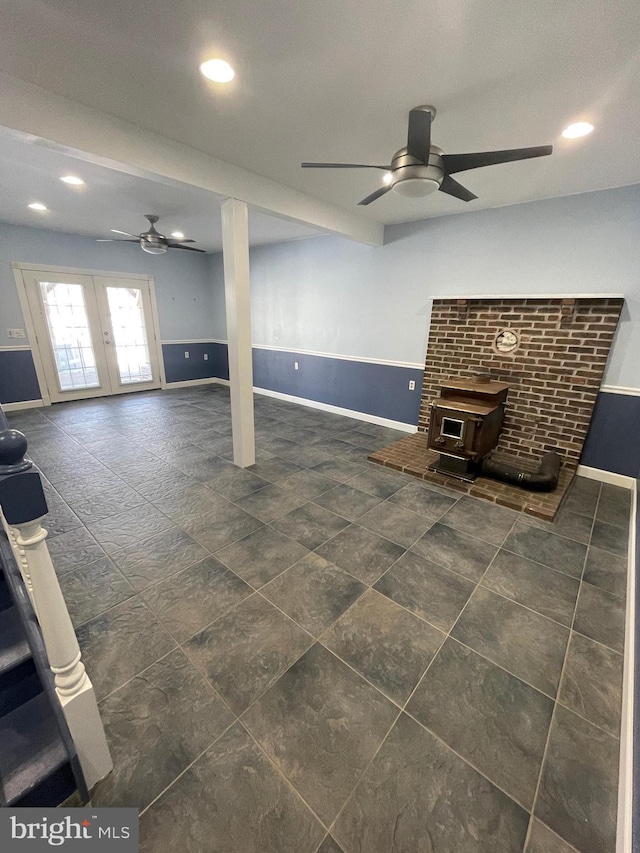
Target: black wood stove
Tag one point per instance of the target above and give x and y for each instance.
(465, 424)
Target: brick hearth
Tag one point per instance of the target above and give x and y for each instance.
(554, 376)
(412, 456)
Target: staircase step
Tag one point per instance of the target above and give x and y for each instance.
(18, 686)
(14, 648)
(5, 595)
(31, 748)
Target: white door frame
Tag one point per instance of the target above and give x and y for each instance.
(154, 329)
(45, 339)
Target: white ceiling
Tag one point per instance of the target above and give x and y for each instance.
(335, 80)
(113, 199)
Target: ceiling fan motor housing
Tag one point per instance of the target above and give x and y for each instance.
(151, 241)
(153, 244)
(410, 177)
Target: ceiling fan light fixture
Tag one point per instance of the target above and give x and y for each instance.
(416, 187)
(578, 129)
(150, 249)
(217, 70)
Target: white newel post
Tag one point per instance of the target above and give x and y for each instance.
(22, 498)
(21, 561)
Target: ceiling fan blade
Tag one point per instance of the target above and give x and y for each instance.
(375, 195)
(182, 241)
(451, 187)
(108, 240)
(186, 248)
(126, 233)
(462, 162)
(419, 136)
(342, 166)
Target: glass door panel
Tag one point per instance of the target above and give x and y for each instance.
(126, 312)
(70, 335)
(67, 324)
(129, 334)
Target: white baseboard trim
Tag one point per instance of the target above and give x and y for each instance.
(337, 410)
(188, 383)
(625, 778)
(606, 477)
(23, 404)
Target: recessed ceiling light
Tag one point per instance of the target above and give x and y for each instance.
(575, 131)
(72, 180)
(387, 178)
(36, 205)
(177, 235)
(217, 70)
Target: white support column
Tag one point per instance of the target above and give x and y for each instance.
(235, 248)
(73, 686)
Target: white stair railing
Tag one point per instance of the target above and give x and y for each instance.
(23, 508)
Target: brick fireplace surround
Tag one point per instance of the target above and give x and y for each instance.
(554, 375)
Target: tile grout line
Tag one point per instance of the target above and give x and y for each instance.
(560, 682)
(402, 710)
(188, 767)
(281, 773)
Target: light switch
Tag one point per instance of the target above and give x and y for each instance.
(295, 365)
(186, 355)
(206, 356)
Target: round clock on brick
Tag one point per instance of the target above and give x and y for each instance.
(506, 341)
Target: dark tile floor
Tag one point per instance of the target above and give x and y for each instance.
(320, 655)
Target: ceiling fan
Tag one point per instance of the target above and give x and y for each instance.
(421, 168)
(152, 241)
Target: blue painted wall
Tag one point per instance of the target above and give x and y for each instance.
(181, 369)
(613, 443)
(183, 286)
(376, 389)
(18, 380)
(186, 298)
(330, 295)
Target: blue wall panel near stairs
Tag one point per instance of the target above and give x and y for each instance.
(18, 380)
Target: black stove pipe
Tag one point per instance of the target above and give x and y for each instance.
(545, 479)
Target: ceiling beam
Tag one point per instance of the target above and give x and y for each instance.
(45, 118)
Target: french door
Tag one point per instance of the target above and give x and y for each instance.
(95, 333)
